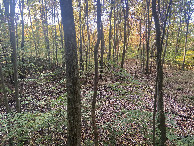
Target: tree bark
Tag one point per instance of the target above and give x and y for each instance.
(187, 13)
(80, 47)
(159, 78)
(110, 30)
(148, 36)
(72, 75)
(114, 49)
(45, 28)
(22, 21)
(125, 33)
(14, 54)
(102, 51)
(95, 131)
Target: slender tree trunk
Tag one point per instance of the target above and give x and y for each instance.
(148, 36)
(102, 48)
(22, 21)
(62, 44)
(125, 33)
(166, 44)
(14, 54)
(178, 37)
(45, 28)
(95, 131)
(88, 34)
(185, 48)
(187, 13)
(102, 51)
(159, 78)
(34, 40)
(80, 48)
(56, 45)
(114, 49)
(143, 57)
(139, 49)
(110, 30)
(72, 75)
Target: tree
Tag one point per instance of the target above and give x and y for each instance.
(159, 77)
(72, 75)
(110, 30)
(125, 32)
(148, 35)
(45, 27)
(187, 18)
(95, 132)
(10, 6)
(22, 21)
(80, 47)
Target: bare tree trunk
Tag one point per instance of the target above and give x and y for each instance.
(159, 78)
(102, 51)
(143, 57)
(110, 30)
(166, 44)
(45, 28)
(114, 49)
(148, 36)
(56, 45)
(62, 44)
(80, 47)
(72, 75)
(125, 33)
(14, 54)
(139, 48)
(22, 21)
(88, 34)
(34, 40)
(95, 131)
(187, 13)
(185, 48)
(178, 37)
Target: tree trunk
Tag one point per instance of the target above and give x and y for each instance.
(110, 30)
(88, 35)
(148, 36)
(166, 44)
(95, 131)
(34, 39)
(72, 75)
(159, 78)
(114, 49)
(125, 33)
(187, 13)
(178, 37)
(45, 28)
(80, 47)
(22, 21)
(14, 54)
(102, 51)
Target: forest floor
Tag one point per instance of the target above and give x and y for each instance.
(124, 109)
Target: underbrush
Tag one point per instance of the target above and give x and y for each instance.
(35, 128)
(124, 111)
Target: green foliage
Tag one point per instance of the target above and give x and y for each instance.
(34, 127)
(132, 52)
(126, 123)
(186, 141)
(189, 60)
